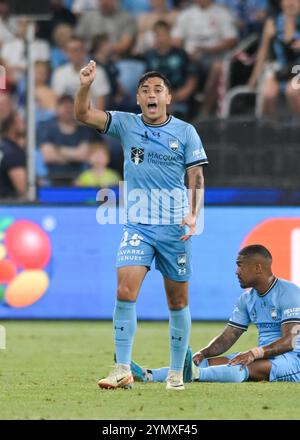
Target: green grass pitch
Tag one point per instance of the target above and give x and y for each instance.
(49, 370)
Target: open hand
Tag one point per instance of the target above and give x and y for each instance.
(190, 220)
(198, 358)
(244, 359)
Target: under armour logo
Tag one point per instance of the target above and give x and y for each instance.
(178, 339)
(156, 134)
(119, 328)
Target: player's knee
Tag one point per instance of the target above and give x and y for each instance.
(177, 304)
(259, 370)
(124, 293)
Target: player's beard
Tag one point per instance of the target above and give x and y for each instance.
(242, 284)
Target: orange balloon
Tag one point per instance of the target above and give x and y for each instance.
(27, 288)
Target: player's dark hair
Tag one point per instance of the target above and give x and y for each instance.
(256, 249)
(154, 74)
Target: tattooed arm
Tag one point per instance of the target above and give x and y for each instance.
(220, 344)
(290, 333)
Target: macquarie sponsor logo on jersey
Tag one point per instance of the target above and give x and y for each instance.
(137, 155)
(162, 159)
(282, 237)
(267, 325)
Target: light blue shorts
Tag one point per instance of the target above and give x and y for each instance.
(142, 243)
(285, 367)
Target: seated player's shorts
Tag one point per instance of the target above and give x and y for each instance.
(285, 368)
(142, 243)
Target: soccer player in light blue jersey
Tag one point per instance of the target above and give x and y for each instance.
(273, 305)
(159, 150)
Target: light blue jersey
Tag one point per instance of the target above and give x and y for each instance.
(279, 305)
(156, 158)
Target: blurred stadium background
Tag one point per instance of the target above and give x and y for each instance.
(239, 89)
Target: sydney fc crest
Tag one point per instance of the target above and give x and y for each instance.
(181, 260)
(137, 155)
(174, 144)
(274, 313)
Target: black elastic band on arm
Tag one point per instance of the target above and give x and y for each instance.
(198, 162)
(107, 124)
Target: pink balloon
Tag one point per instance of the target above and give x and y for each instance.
(27, 245)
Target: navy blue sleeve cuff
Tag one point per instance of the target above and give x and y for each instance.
(237, 325)
(107, 124)
(197, 163)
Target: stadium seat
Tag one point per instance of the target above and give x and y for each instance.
(229, 92)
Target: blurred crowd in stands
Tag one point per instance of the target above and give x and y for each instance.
(205, 47)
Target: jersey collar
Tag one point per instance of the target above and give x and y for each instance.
(157, 125)
(270, 288)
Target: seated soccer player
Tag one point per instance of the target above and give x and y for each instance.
(273, 305)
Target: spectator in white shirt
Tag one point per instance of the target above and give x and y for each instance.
(7, 24)
(205, 27)
(207, 32)
(14, 51)
(65, 79)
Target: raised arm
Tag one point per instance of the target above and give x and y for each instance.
(290, 332)
(83, 110)
(219, 345)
